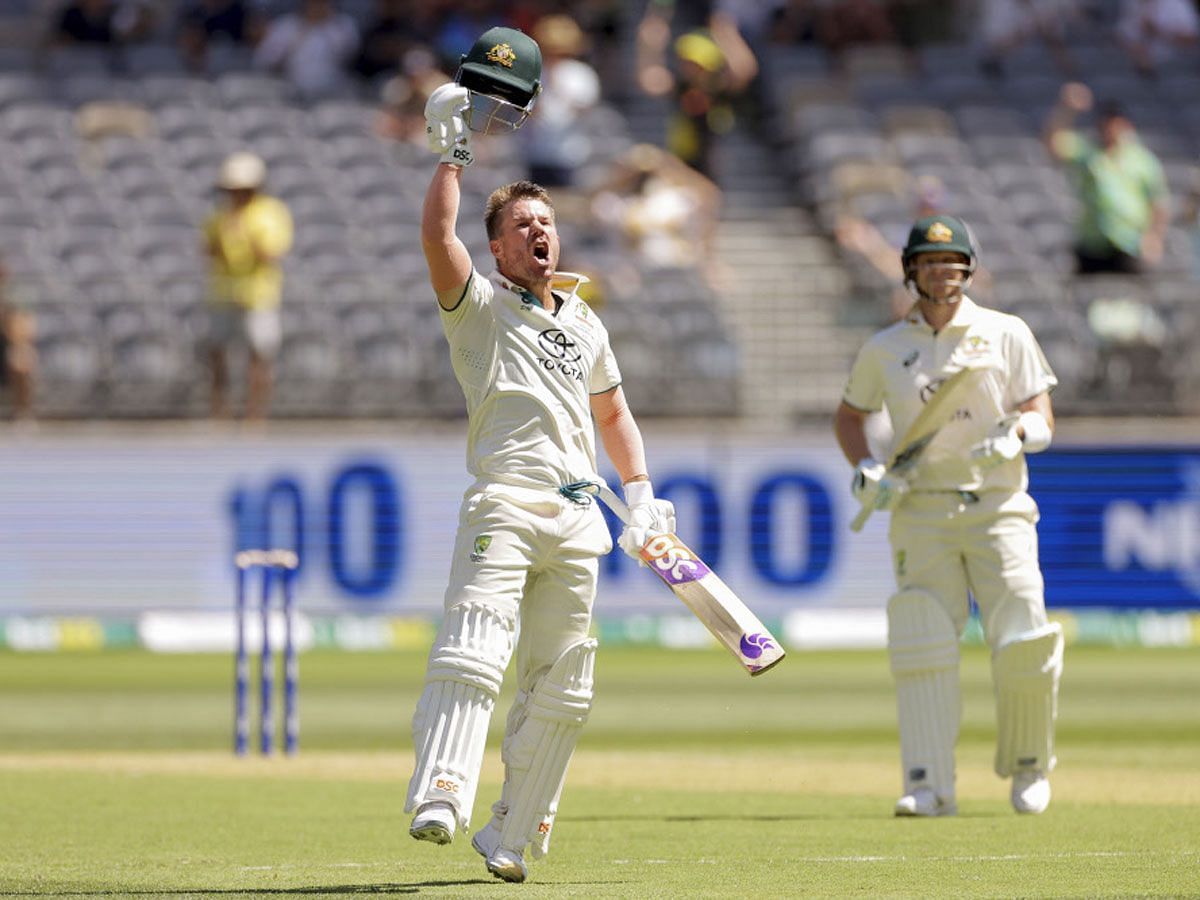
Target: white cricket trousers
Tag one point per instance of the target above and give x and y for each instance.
(949, 545)
(539, 567)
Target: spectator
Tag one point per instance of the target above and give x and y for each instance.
(1153, 30)
(204, 22)
(18, 353)
(1121, 186)
(665, 211)
(796, 22)
(712, 65)
(311, 47)
(1009, 24)
(395, 27)
(245, 237)
(100, 23)
(555, 145)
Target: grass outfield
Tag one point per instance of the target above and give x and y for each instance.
(691, 781)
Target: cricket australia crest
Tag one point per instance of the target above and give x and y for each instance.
(939, 233)
(502, 54)
(482, 542)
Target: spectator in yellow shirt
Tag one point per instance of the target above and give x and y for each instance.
(246, 237)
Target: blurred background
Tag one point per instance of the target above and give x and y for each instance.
(735, 177)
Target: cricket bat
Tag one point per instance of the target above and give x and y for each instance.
(936, 413)
(712, 602)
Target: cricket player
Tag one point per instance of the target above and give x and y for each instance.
(535, 365)
(962, 522)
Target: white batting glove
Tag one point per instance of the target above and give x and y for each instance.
(1003, 445)
(647, 517)
(874, 488)
(446, 131)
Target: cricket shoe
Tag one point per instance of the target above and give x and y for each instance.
(1030, 792)
(506, 864)
(924, 803)
(434, 822)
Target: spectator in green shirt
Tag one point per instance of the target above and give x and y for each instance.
(1121, 186)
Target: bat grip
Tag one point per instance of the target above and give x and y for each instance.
(857, 523)
(611, 500)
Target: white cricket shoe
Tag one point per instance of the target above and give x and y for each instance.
(1030, 792)
(434, 822)
(923, 802)
(508, 865)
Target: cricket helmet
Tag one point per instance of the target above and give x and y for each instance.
(503, 72)
(939, 234)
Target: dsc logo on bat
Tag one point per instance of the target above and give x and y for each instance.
(672, 560)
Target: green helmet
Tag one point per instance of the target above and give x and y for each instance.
(940, 234)
(503, 72)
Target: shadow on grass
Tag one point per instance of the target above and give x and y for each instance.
(333, 890)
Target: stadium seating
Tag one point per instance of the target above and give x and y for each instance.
(101, 236)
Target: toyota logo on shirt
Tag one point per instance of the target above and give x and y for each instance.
(555, 342)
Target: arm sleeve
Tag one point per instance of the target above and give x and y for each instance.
(864, 389)
(1029, 372)
(605, 374)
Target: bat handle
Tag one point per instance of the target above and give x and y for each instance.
(611, 500)
(860, 520)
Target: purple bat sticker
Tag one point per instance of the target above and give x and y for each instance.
(753, 645)
(673, 561)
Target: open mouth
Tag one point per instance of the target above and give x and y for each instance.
(541, 251)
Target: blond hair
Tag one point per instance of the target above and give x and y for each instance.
(510, 193)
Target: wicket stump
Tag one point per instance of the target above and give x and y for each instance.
(273, 565)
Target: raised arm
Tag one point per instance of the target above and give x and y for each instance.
(445, 254)
(446, 134)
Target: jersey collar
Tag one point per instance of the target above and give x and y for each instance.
(964, 317)
(560, 282)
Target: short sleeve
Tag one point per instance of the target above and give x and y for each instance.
(605, 374)
(275, 229)
(476, 295)
(864, 389)
(1029, 372)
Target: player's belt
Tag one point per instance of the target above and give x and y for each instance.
(967, 497)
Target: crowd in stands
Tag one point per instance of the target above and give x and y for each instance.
(1066, 132)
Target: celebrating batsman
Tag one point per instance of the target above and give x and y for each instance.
(961, 520)
(535, 366)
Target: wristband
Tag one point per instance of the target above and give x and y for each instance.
(638, 493)
(1037, 432)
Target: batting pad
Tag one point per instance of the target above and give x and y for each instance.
(538, 747)
(1026, 671)
(462, 682)
(923, 646)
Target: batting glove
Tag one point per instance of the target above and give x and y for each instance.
(648, 517)
(445, 130)
(1003, 445)
(875, 488)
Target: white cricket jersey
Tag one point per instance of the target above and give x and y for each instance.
(900, 368)
(528, 375)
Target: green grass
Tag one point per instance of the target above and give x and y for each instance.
(690, 781)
